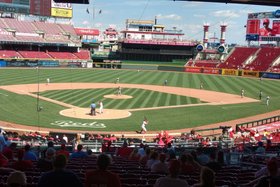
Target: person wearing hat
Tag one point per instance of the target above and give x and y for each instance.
(266, 31)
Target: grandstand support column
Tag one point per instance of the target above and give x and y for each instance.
(205, 35)
(223, 34)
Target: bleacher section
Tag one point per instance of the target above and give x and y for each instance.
(11, 54)
(83, 54)
(238, 57)
(34, 54)
(264, 58)
(35, 31)
(206, 63)
(62, 55)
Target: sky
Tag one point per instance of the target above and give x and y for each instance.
(187, 16)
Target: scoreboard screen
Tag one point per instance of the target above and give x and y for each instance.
(37, 7)
(263, 26)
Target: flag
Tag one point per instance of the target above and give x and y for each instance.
(87, 11)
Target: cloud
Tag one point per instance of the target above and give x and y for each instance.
(170, 16)
(226, 13)
(85, 22)
(192, 4)
(98, 25)
(199, 16)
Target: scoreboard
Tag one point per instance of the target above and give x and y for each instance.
(263, 26)
(47, 8)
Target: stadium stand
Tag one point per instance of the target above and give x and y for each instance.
(5, 54)
(238, 57)
(34, 55)
(62, 55)
(82, 54)
(264, 59)
(206, 63)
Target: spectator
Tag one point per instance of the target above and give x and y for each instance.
(202, 158)
(50, 144)
(153, 160)
(160, 167)
(101, 176)
(22, 165)
(213, 164)
(63, 151)
(143, 160)
(207, 178)
(267, 175)
(188, 164)
(29, 155)
(124, 151)
(172, 179)
(79, 153)
(3, 142)
(260, 149)
(8, 152)
(59, 176)
(45, 164)
(134, 155)
(16, 179)
(3, 160)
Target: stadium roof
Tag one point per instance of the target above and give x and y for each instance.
(252, 2)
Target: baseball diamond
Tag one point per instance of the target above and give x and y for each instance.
(179, 105)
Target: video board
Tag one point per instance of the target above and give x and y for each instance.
(37, 7)
(263, 26)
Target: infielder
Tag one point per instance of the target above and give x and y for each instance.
(100, 107)
(119, 91)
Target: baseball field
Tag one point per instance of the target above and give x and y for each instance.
(26, 99)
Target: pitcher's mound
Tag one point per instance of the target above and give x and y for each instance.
(84, 113)
(113, 96)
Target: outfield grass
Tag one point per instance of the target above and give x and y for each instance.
(22, 109)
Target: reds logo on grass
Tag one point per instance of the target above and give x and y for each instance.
(78, 124)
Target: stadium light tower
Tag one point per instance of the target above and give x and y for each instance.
(205, 35)
(223, 33)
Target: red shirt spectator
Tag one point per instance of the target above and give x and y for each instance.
(101, 176)
(8, 152)
(63, 151)
(22, 165)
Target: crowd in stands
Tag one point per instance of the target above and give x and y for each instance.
(138, 165)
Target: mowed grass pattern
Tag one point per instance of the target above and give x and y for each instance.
(23, 109)
(141, 98)
(228, 84)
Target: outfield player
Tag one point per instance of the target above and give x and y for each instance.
(48, 81)
(165, 82)
(267, 100)
(260, 95)
(242, 93)
(117, 80)
(201, 85)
